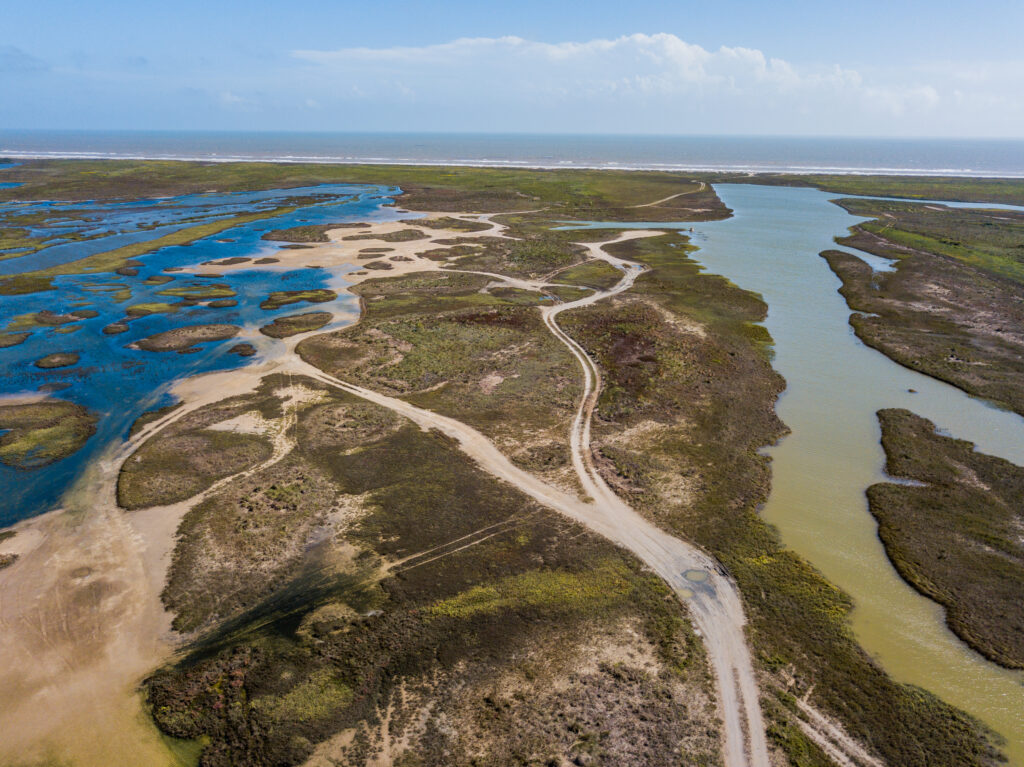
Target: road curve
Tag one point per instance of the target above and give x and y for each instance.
(714, 601)
(696, 578)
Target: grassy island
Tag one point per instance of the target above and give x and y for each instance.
(306, 233)
(57, 360)
(279, 298)
(36, 434)
(186, 337)
(282, 327)
(954, 534)
(951, 306)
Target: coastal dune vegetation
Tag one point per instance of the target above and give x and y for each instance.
(345, 586)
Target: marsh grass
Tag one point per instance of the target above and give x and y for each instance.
(712, 418)
(314, 649)
(956, 538)
(40, 433)
(282, 327)
(278, 298)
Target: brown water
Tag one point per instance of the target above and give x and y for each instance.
(820, 472)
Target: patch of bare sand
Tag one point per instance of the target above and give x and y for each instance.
(402, 257)
(246, 423)
(490, 382)
(79, 627)
(81, 621)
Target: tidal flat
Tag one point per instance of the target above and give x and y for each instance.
(311, 573)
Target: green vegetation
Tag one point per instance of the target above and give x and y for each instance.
(42, 319)
(279, 298)
(305, 233)
(22, 284)
(604, 585)
(37, 434)
(951, 307)
(593, 274)
(402, 235)
(448, 222)
(955, 536)
(317, 697)
(243, 350)
(485, 358)
(568, 294)
(57, 360)
(12, 339)
(304, 641)
(537, 254)
(956, 188)
(570, 194)
(686, 408)
(292, 325)
(112, 260)
(202, 292)
(22, 242)
(376, 578)
(991, 240)
(185, 337)
(188, 456)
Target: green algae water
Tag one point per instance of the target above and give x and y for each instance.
(820, 472)
(835, 384)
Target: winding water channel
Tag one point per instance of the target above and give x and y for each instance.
(835, 384)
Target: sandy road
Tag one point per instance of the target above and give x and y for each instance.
(713, 599)
(82, 674)
(671, 197)
(696, 578)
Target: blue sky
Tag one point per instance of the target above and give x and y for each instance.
(826, 68)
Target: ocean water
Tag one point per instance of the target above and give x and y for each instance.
(964, 157)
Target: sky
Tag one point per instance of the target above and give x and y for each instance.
(896, 68)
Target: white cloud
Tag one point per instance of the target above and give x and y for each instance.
(230, 99)
(659, 65)
(661, 83)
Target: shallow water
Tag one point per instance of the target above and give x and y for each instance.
(118, 383)
(835, 384)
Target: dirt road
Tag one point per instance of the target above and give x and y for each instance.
(695, 577)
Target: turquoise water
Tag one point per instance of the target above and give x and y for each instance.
(835, 385)
(119, 383)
